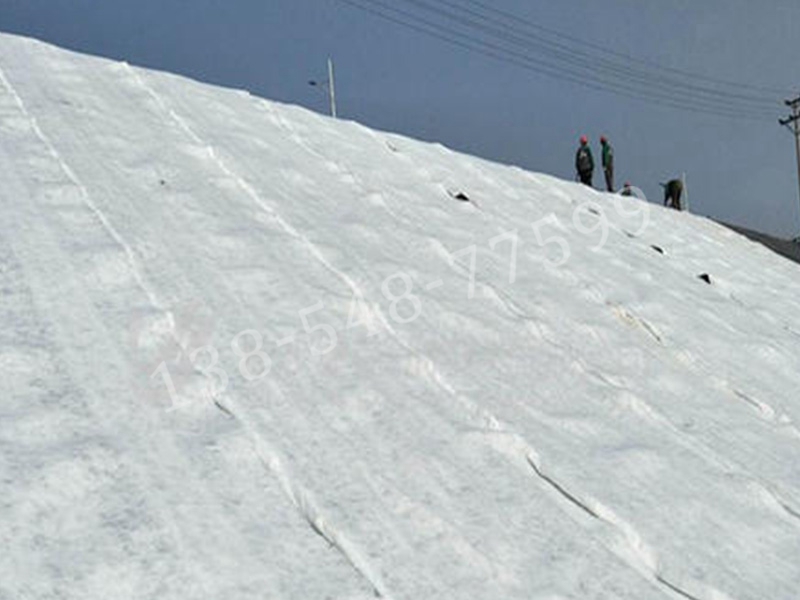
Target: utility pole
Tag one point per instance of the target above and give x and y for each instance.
(793, 124)
(330, 84)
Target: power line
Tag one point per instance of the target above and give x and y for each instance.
(591, 61)
(681, 101)
(588, 71)
(737, 85)
(686, 102)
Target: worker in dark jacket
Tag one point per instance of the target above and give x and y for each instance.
(608, 163)
(627, 190)
(673, 190)
(584, 162)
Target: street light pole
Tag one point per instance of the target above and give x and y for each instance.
(330, 84)
(332, 87)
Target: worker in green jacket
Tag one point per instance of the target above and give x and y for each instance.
(608, 163)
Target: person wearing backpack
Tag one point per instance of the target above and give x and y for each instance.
(584, 162)
(608, 163)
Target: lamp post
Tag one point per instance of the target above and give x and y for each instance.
(330, 85)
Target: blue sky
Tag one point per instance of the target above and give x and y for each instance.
(395, 78)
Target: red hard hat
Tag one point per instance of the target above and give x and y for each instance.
(602, 138)
(584, 139)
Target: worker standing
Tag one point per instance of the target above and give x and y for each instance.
(584, 162)
(608, 163)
